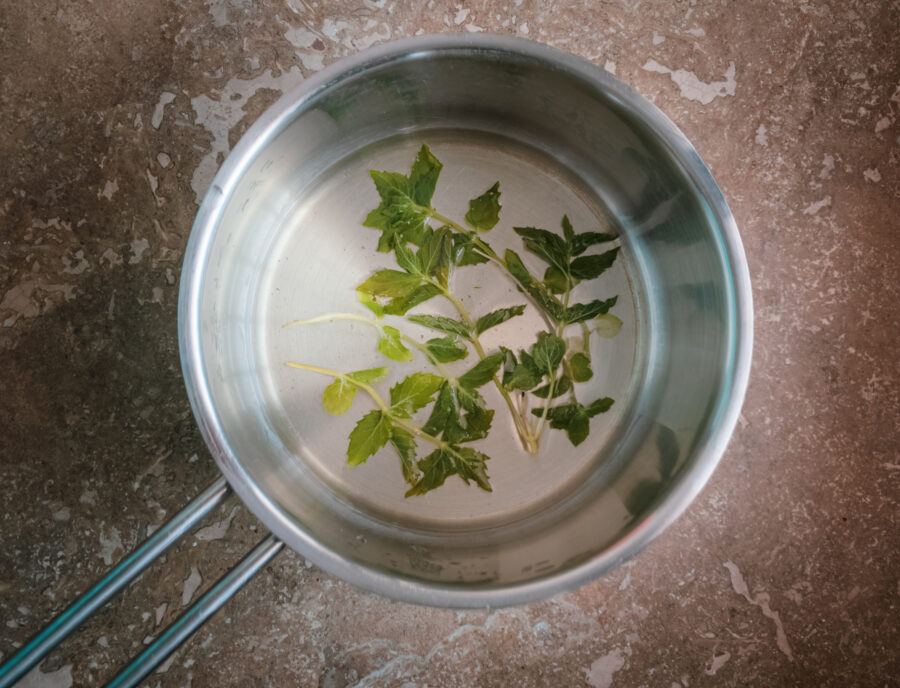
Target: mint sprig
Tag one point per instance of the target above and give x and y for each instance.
(444, 408)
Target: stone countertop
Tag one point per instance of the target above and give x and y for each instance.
(786, 569)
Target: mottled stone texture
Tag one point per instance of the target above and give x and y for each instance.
(785, 571)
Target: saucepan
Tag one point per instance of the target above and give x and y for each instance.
(286, 233)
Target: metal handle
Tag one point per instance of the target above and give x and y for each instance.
(197, 614)
(126, 570)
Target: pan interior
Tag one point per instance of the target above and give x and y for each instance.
(322, 252)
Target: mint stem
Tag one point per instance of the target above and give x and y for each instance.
(416, 344)
(489, 254)
(529, 442)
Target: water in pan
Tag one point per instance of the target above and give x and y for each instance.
(323, 252)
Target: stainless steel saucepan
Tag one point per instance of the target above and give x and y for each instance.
(279, 237)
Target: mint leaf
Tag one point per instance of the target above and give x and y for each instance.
(482, 373)
(591, 267)
(369, 302)
(447, 421)
(391, 283)
(465, 462)
(547, 302)
(580, 312)
(390, 345)
(370, 434)
(444, 413)
(524, 376)
(548, 352)
(423, 176)
(568, 232)
(494, 318)
(549, 247)
(338, 396)
(607, 325)
(569, 417)
(474, 467)
(484, 211)
(580, 243)
(580, 366)
(447, 349)
(414, 392)
(407, 260)
(563, 385)
(556, 280)
(466, 251)
(442, 324)
(477, 423)
(434, 255)
(406, 447)
(399, 217)
(401, 304)
(599, 406)
(368, 376)
(575, 418)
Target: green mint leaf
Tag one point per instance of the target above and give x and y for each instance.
(423, 176)
(548, 352)
(484, 211)
(368, 376)
(580, 243)
(402, 304)
(466, 251)
(477, 423)
(509, 360)
(469, 398)
(545, 300)
(580, 312)
(414, 392)
(434, 255)
(391, 283)
(369, 302)
(442, 324)
(482, 373)
(549, 247)
(467, 463)
(390, 345)
(338, 396)
(399, 217)
(474, 467)
(494, 318)
(447, 349)
(568, 232)
(444, 413)
(370, 434)
(569, 417)
(575, 418)
(580, 366)
(436, 468)
(557, 281)
(591, 267)
(407, 260)
(563, 385)
(607, 325)
(524, 376)
(599, 406)
(406, 447)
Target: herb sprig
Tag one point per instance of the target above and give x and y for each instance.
(428, 247)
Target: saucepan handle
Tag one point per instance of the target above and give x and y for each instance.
(125, 571)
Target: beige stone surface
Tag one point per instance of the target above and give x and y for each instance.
(786, 569)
